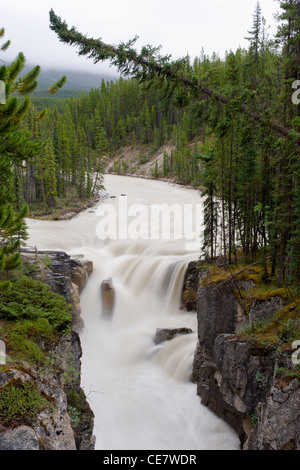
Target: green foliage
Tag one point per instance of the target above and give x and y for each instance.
(34, 300)
(77, 405)
(20, 403)
(53, 89)
(267, 335)
(27, 338)
(238, 108)
(17, 148)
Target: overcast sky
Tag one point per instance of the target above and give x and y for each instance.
(179, 26)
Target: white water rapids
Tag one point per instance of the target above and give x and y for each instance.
(140, 392)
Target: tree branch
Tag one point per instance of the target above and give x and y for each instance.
(147, 64)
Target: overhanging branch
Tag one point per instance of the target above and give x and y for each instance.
(147, 64)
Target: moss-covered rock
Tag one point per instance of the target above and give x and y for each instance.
(243, 356)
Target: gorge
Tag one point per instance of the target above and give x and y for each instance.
(139, 390)
(147, 315)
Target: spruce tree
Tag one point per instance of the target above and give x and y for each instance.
(16, 147)
(50, 175)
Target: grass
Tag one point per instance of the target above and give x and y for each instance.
(28, 340)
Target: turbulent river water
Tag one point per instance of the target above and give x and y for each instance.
(140, 392)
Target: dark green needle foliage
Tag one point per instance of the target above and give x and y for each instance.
(17, 148)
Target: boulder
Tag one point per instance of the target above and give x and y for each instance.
(66, 269)
(108, 296)
(81, 273)
(190, 287)
(218, 312)
(166, 334)
(54, 431)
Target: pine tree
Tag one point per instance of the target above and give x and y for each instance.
(50, 180)
(165, 164)
(210, 204)
(288, 161)
(149, 65)
(255, 36)
(15, 147)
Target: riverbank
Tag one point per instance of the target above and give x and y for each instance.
(42, 403)
(131, 161)
(142, 162)
(65, 209)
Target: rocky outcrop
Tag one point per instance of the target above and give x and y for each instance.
(239, 382)
(264, 309)
(66, 421)
(65, 275)
(107, 296)
(21, 438)
(52, 429)
(166, 334)
(278, 419)
(190, 287)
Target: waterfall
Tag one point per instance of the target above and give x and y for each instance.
(140, 392)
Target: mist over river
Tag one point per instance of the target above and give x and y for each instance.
(139, 391)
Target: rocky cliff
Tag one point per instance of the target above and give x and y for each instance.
(240, 381)
(67, 422)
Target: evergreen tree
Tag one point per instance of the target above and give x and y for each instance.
(255, 36)
(16, 147)
(50, 180)
(241, 108)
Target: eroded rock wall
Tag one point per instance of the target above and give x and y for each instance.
(55, 428)
(237, 382)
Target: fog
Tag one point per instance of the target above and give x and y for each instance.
(179, 27)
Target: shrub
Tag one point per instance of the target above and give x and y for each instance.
(32, 300)
(20, 403)
(26, 336)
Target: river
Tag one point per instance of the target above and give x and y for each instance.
(140, 392)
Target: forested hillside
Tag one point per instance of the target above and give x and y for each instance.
(231, 124)
(228, 127)
(242, 109)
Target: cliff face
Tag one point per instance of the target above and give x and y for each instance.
(67, 424)
(237, 381)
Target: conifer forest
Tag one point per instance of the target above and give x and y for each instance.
(233, 123)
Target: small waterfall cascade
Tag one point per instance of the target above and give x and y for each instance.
(139, 391)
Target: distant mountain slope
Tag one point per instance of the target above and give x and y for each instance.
(77, 81)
